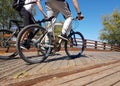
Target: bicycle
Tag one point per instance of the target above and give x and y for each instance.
(37, 43)
(8, 39)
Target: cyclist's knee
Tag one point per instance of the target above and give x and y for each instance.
(67, 16)
(68, 20)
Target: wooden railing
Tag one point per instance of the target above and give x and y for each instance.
(100, 46)
(92, 45)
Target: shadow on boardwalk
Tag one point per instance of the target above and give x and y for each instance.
(63, 58)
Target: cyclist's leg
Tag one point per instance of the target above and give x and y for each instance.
(64, 9)
(27, 19)
(51, 11)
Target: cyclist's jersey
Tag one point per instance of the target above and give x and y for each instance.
(29, 7)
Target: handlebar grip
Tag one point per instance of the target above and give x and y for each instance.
(47, 19)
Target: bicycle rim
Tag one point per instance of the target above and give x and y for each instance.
(75, 46)
(7, 44)
(35, 53)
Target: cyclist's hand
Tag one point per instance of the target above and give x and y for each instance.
(45, 16)
(80, 17)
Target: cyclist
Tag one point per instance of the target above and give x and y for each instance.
(26, 11)
(26, 14)
(54, 7)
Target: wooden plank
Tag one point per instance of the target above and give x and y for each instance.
(78, 62)
(82, 78)
(64, 64)
(92, 78)
(45, 69)
(108, 80)
(36, 69)
(117, 84)
(58, 64)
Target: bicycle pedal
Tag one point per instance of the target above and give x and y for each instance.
(46, 45)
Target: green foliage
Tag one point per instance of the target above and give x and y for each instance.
(111, 30)
(7, 13)
(57, 30)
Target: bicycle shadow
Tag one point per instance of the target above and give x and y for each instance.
(9, 58)
(63, 58)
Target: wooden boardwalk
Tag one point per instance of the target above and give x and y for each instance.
(91, 69)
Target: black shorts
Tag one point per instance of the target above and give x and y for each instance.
(27, 17)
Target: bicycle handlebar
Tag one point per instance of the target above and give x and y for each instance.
(45, 19)
(50, 18)
(76, 18)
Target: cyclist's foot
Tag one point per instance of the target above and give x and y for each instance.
(63, 36)
(25, 47)
(46, 45)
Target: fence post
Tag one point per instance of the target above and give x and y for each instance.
(104, 46)
(85, 43)
(95, 45)
(111, 47)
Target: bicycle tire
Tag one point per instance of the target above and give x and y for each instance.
(35, 54)
(75, 46)
(7, 48)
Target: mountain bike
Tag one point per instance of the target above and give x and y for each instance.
(39, 50)
(8, 39)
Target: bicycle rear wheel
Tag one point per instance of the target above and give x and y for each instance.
(75, 46)
(7, 44)
(34, 39)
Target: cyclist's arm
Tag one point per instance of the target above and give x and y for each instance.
(40, 8)
(75, 3)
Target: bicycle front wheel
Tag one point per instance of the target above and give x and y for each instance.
(7, 44)
(29, 45)
(75, 46)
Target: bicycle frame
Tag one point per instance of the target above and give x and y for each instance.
(54, 38)
(16, 31)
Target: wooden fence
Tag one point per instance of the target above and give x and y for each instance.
(100, 46)
(92, 45)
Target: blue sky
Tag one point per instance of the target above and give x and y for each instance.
(93, 11)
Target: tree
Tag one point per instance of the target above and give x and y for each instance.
(58, 27)
(111, 30)
(7, 13)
